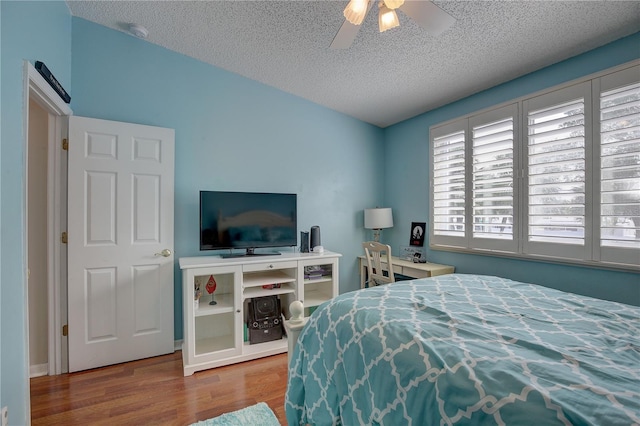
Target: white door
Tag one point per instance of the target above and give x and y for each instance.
(120, 242)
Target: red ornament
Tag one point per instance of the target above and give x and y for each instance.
(211, 285)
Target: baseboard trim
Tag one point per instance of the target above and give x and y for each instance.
(38, 370)
(43, 369)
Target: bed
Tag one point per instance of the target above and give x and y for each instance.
(466, 349)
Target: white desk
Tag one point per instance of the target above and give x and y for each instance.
(410, 269)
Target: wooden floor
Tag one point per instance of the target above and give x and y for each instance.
(154, 392)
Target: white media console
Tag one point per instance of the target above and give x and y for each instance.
(216, 335)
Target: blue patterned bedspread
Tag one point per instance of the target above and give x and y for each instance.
(466, 349)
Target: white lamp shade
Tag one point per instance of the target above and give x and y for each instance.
(387, 18)
(393, 4)
(378, 218)
(356, 11)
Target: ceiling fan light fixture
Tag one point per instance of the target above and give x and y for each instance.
(387, 18)
(356, 11)
(393, 4)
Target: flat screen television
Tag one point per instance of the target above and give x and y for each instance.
(247, 220)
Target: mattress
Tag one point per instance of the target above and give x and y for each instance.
(466, 349)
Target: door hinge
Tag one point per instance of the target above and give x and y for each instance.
(63, 238)
(65, 330)
(65, 144)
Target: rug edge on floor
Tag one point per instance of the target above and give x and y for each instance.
(258, 414)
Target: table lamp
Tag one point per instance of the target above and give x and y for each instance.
(377, 219)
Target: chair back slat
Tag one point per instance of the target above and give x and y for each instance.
(377, 254)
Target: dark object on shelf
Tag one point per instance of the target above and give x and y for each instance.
(271, 286)
(315, 237)
(264, 319)
(313, 276)
(315, 272)
(304, 242)
(44, 71)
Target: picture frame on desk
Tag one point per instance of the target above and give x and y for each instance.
(410, 253)
(417, 233)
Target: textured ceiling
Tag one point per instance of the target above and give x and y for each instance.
(383, 78)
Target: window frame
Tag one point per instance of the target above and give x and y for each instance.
(606, 83)
(560, 250)
(591, 253)
(511, 110)
(447, 129)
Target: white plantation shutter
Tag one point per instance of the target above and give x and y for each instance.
(556, 173)
(448, 185)
(493, 178)
(620, 167)
(550, 176)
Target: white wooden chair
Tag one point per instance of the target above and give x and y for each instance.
(376, 253)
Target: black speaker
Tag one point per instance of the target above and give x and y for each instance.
(315, 237)
(263, 321)
(262, 308)
(304, 242)
(267, 334)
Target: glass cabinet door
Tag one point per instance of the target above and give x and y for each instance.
(214, 323)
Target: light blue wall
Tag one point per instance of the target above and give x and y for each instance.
(236, 134)
(32, 31)
(233, 133)
(407, 175)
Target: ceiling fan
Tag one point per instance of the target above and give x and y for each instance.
(426, 14)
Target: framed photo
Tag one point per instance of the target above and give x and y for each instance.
(412, 253)
(417, 233)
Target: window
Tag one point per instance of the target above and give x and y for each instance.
(557, 219)
(449, 185)
(557, 174)
(619, 167)
(563, 184)
(493, 180)
(489, 154)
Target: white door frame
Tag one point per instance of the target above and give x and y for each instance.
(36, 88)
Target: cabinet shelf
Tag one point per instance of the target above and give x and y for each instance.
(214, 344)
(224, 304)
(324, 279)
(258, 279)
(274, 344)
(316, 297)
(252, 292)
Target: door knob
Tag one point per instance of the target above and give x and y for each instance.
(164, 253)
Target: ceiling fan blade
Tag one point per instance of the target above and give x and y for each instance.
(348, 31)
(345, 36)
(429, 16)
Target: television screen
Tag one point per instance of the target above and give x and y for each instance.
(247, 220)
